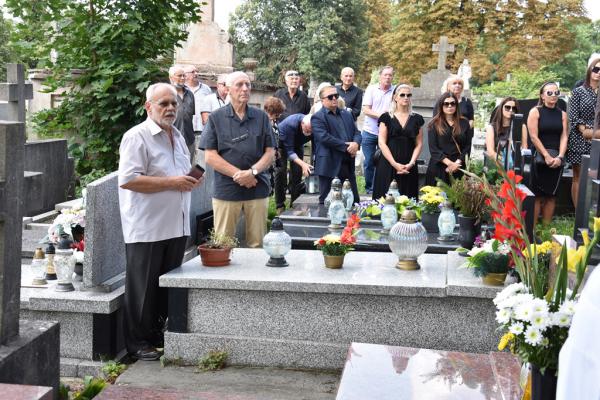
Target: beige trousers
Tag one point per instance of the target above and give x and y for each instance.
(227, 214)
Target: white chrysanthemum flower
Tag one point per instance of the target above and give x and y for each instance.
(509, 291)
(533, 336)
(523, 311)
(561, 319)
(507, 303)
(517, 328)
(539, 306)
(503, 316)
(568, 307)
(540, 320)
(545, 342)
(474, 251)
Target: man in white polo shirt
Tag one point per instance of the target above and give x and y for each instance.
(376, 101)
(154, 199)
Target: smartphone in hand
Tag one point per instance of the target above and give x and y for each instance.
(196, 172)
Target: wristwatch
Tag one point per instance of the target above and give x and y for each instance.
(254, 171)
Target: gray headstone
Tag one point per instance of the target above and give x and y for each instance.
(443, 48)
(104, 244)
(12, 140)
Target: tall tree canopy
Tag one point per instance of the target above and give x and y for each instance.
(120, 47)
(318, 37)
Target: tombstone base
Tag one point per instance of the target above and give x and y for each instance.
(32, 357)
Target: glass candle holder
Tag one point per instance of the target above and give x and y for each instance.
(389, 215)
(38, 268)
(64, 264)
(408, 240)
(347, 195)
(446, 222)
(277, 243)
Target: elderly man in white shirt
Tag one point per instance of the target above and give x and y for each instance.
(154, 199)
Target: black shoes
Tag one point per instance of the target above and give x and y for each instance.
(148, 354)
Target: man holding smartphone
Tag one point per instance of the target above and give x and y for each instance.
(154, 199)
(239, 145)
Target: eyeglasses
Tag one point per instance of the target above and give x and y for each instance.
(449, 104)
(409, 95)
(333, 96)
(551, 93)
(596, 70)
(510, 108)
(292, 73)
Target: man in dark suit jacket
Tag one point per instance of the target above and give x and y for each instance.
(336, 140)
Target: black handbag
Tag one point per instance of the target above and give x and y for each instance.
(539, 158)
(376, 156)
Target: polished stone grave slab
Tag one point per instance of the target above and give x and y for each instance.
(306, 315)
(403, 373)
(308, 221)
(25, 392)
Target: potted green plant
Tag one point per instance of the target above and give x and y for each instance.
(335, 247)
(490, 260)
(429, 204)
(467, 195)
(216, 252)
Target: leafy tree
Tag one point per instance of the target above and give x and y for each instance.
(6, 52)
(318, 37)
(379, 16)
(120, 47)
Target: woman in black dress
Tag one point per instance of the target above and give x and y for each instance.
(447, 133)
(400, 141)
(547, 126)
(497, 133)
(582, 109)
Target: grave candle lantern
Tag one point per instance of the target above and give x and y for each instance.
(408, 240)
(336, 186)
(336, 213)
(389, 215)
(64, 263)
(38, 265)
(446, 222)
(50, 271)
(393, 189)
(277, 243)
(347, 195)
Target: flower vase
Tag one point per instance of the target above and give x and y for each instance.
(430, 221)
(333, 262)
(543, 386)
(494, 279)
(468, 230)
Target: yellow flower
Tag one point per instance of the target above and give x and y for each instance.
(331, 239)
(505, 340)
(586, 237)
(402, 199)
(596, 224)
(574, 256)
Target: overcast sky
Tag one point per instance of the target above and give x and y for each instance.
(224, 7)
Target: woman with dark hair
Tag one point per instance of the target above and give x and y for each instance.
(400, 140)
(498, 131)
(274, 107)
(582, 108)
(447, 133)
(547, 126)
(455, 85)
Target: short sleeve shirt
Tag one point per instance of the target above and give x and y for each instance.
(379, 100)
(212, 102)
(200, 92)
(150, 217)
(242, 144)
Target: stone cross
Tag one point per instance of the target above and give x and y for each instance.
(443, 48)
(15, 91)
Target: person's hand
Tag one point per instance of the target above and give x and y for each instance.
(306, 168)
(556, 162)
(352, 148)
(399, 168)
(184, 183)
(454, 166)
(245, 178)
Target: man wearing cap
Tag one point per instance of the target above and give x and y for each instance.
(352, 95)
(337, 140)
(295, 100)
(215, 100)
(154, 201)
(240, 147)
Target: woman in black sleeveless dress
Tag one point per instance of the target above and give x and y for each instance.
(400, 141)
(547, 126)
(447, 133)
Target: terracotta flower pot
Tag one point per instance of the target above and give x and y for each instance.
(333, 262)
(494, 279)
(214, 257)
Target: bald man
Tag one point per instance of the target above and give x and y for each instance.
(351, 93)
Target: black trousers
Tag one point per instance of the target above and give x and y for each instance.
(346, 172)
(281, 178)
(145, 304)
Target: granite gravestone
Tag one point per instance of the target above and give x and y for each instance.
(15, 92)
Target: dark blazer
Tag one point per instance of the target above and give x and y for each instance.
(330, 140)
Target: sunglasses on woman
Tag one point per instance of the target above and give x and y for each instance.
(551, 93)
(449, 104)
(510, 108)
(409, 95)
(596, 70)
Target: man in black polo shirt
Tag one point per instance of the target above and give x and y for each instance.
(351, 94)
(239, 145)
(295, 100)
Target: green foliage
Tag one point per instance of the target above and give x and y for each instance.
(213, 361)
(120, 46)
(220, 241)
(88, 178)
(63, 391)
(467, 195)
(484, 263)
(573, 65)
(164, 361)
(523, 84)
(112, 370)
(316, 37)
(480, 169)
(560, 225)
(91, 387)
